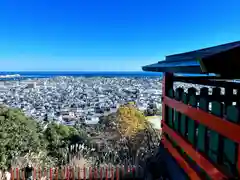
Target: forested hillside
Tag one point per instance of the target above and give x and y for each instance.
(24, 140)
(126, 135)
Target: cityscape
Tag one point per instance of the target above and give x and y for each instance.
(78, 99)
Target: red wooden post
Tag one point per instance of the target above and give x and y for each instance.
(133, 171)
(117, 173)
(112, 173)
(95, 173)
(45, 172)
(34, 173)
(106, 173)
(90, 173)
(56, 172)
(65, 172)
(68, 174)
(12, 174)
(73, 173)
(123, 171)
(39, 173)
(62, 173)
(50, 176)
(17, 173)
(101, 169)
(84, 173)
(23, 174)
(79, 171)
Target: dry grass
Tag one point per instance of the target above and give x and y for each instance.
(81, 163)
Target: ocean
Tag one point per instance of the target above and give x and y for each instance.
(49, 74)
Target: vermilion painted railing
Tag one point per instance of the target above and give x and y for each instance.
(191, 173)
(69, 173)
(220, 125)
(212, 171)
(226, 128)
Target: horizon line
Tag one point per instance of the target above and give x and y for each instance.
(64, 71)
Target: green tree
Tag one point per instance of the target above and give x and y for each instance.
(18, 135)
(59, 138)
(21, 136)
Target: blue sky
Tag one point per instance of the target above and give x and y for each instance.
(109, 35)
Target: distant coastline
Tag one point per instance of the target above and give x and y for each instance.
(49, 74)
(10, 76)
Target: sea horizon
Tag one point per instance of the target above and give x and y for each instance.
(49, 74)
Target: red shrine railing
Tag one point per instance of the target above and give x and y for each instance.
(70, 173)
(204, 141)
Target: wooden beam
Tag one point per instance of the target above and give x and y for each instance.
(223, 127)
(200, 160)
(180, 160)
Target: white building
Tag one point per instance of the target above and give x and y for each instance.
(93, 120)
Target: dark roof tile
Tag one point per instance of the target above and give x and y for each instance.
(202, 53)
(192, 62)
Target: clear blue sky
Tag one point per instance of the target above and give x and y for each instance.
(109, 35)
